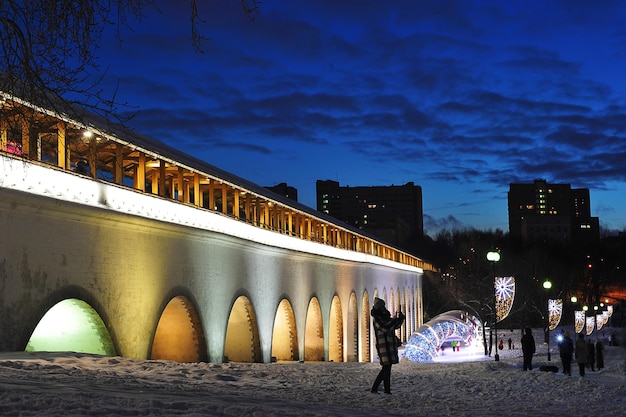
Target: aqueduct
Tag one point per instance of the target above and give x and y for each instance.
(115, 244)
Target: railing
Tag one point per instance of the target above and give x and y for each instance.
(60, 143)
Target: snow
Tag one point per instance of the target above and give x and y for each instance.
(464, 383)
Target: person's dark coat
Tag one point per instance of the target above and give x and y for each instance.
(591, 354)
(581, 350)
(566, 347)
(600, 354)
(384, 330)
(528, 343)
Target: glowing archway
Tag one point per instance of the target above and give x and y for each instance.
(424, 344)
(314, 332)
(352, 328)
(284, 336)
(335, 332)
(365, 328)
(242, 334)
(179, 336)
(71, 325)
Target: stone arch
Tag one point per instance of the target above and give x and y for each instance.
(284, 335)
(352, 330)
(179, 335)
(242, 333)
(335, 332)
(314, 332)
(402, 307)
(71, 325)
(373, 338)
(365, 328)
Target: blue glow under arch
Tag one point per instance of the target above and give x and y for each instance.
(423, 345)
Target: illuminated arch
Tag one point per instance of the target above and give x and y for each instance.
(352, 328)
(365, 328)
(424, 344)
(314, 332)
(335, 332)
(242, 334)
(402, 307)
(71, 325)
(179, 335)
(284, 335)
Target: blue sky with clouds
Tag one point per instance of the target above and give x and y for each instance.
(460, 97)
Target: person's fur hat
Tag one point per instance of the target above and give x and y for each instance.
(379, 303)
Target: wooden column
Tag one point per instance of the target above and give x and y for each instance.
(181, 186)
(162, 178)
(3, 135)
(118, 165)
(235, 203)
(63, 153)
(93, 150)
(224, 199)
(197, 194)
(211, 195)
(140, 172)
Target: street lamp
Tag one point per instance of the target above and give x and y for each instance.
(493, 257)
(547, 285)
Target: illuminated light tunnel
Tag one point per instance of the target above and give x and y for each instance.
(179, 336)
(424, 344)
(71, 325)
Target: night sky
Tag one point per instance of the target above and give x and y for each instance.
(460, 97)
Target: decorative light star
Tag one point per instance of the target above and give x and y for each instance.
(579, 321)
(505, 293)
(555, 311)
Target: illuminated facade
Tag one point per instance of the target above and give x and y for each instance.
(551, 212)
(162, 256)
(392, 213)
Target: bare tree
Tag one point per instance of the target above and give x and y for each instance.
(48, 47)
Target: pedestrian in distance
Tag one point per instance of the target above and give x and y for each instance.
(566, 351)
(591, 355)
(581, 353)
(528, 349)
(385, 326)
(599, 354)
(510, 343)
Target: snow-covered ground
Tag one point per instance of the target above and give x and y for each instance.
(458, 384)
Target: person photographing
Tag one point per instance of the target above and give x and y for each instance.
(387, 342)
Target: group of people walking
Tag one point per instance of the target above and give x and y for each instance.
(587, 354)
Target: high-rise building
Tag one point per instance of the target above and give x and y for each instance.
(285, 190)
(392, 213)
(551, 212)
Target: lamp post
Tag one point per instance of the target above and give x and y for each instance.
(548, 285)
(493, 257)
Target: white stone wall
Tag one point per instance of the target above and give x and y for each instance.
(129, 266)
